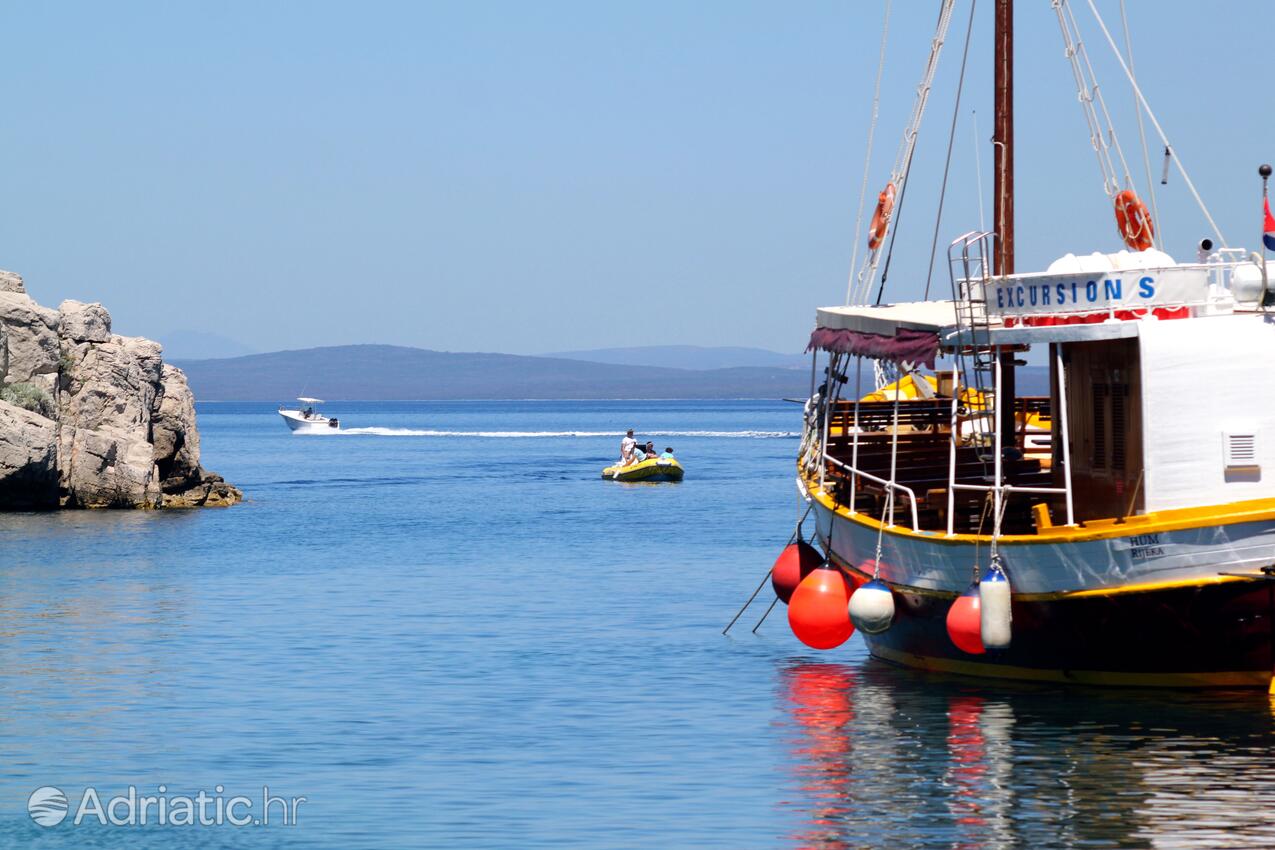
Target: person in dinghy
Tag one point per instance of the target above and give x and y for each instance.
(643, 463)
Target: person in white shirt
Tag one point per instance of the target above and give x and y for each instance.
(627, 447)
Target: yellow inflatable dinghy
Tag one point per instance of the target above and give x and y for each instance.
(655, 469)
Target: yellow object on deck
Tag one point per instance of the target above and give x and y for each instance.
(906, 388)
(655, 469)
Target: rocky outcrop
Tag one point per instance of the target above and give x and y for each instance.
(175, 442)
(92, 419)
(28, 459)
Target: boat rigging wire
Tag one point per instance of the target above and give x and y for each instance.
(1091, 101)
(1155, 123)
(1142, 135)
(894, 231)
(907, 146)
(951, 140)
(867, 156)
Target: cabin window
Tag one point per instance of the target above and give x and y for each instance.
(1119, 404)
(1099, 408)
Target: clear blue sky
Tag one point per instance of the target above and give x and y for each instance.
(531, 177)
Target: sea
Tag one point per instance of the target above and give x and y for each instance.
(440, 627)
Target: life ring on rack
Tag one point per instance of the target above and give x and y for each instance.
(881, 218)
(1134, 222)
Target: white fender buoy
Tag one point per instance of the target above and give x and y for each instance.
(871, 607)
(994, 608)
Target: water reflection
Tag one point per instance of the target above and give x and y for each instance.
(887, 757)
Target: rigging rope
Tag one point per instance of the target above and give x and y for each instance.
(1142, 135)
(951, 140)
(867, 156)
(1089, 94)
(1160, 130)
(903, 159)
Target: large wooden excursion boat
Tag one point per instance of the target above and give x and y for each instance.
(1131, 508)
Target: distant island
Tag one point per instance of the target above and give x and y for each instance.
(689, 357)
(392, 372)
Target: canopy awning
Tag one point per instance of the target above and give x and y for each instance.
(897, 332)
(306, 400)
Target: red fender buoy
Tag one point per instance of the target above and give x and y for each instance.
(797, 561)
(817, 611)
(964, 622)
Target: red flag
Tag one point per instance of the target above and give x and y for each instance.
(1268, 228)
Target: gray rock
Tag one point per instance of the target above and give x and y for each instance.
(209, 492)
(106, 468)
(11, 282)
(104, 452)
(28, 460)
(84, 322)
(30, 339)
(173, 432)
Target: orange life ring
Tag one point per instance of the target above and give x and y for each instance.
(881, 218)
(1134, 222)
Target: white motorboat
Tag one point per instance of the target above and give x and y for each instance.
(305, 418)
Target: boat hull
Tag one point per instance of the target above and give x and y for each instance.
(1206, 636)
(656, 469)
(1146, 609)
(299, 424)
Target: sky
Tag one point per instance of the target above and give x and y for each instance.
(533, 177)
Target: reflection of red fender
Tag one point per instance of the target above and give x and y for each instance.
(968, 749)
(820, 697)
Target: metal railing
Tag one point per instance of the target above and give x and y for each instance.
(889, 485)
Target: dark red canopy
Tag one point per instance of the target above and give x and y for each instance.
(917, 347)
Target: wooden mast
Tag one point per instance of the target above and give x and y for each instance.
(1003, 188)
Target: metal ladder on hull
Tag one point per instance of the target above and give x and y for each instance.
(969, 264)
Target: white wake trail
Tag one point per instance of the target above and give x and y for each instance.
(518, 435)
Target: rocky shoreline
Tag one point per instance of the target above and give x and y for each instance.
(92, 419)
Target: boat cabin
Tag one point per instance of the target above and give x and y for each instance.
(1157, 395)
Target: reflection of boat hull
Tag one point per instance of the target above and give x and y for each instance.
(656, 469)
(299, 423)
(1146, 607)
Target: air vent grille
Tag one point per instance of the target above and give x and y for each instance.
(1241, 449)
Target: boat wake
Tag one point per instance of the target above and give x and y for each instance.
(414, 432)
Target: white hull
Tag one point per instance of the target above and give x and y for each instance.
(932, 563)
(299, 423)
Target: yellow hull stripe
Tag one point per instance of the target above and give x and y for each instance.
(1256, 510)
(1224, 679)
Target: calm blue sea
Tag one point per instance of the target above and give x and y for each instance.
(442, 629)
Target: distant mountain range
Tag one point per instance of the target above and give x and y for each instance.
(689, 357)
(385, 372)
(392, 372)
